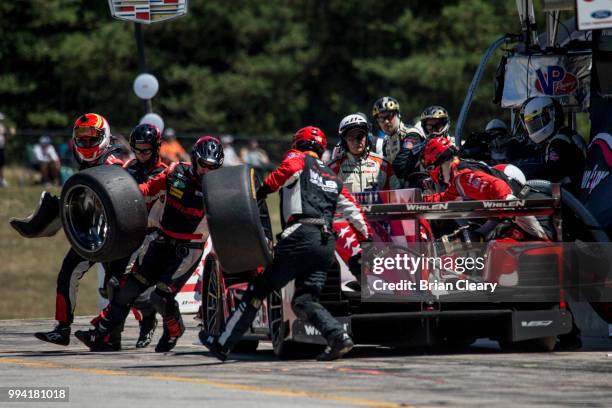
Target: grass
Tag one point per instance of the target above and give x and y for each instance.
(29, 267)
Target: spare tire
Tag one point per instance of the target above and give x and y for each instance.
(103, 213)
(240, 229)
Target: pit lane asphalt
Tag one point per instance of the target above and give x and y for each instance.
(369, 376)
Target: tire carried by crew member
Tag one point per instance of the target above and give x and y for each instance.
(238, 224)
(103, 213)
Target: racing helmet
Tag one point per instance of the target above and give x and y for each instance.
(310, 138)
(207, 151)
(146, 134)
(91, 136)
(439, 119)
(354, 121)
(541, 116)
(385, 104)
(496, 125)
(512, 172)
(437, 151)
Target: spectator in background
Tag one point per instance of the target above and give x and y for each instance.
(231, 157)
(3, 132)
(171, 150)
(46, 161)
(255, 156)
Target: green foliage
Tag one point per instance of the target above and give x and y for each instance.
(247, 66)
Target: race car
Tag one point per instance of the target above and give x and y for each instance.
(401, 222)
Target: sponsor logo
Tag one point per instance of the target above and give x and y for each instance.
(325, 185)
(599, 14)
(591, 178)
(427, 207)
(310, 330)
(536, 323)
(503, 204)
(556, 81)
(176, 192)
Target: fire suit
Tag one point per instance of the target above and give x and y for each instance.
(74, 266)
(405, 137)
(141, 173)
(407, 156)
(368, 172)
(471, 180)
(168, 255)
(310, 195)
(564, 159)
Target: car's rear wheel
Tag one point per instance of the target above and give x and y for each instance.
(279, 327)
(213, 313)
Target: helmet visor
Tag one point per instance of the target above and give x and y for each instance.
(537, 121)
(435, 125)
(87, 137)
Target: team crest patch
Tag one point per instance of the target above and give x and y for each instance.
(553, 155)
(176, 192)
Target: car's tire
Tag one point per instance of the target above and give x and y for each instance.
(213, 304)
(240, 228)
(103, 213)
(279, 327)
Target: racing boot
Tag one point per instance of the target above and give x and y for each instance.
(60, 335)
(336, 348)
(147, 329)
(173, 330)
(213, 346)
(97, 341)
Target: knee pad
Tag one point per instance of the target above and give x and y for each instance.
(164, 304)
(298, 302)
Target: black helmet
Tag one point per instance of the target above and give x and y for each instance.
(207, 152)
(440, 115)
(385, 104)
(146, 134)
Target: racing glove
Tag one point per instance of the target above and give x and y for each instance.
(262, 192)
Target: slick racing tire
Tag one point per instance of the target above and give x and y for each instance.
(103, 213)
(240, 228)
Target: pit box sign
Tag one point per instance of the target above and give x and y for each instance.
(594, 14)
(563, 77)
(147, 11)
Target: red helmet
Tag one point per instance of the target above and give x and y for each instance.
(91, 135)
(437, 150)
(310, 138)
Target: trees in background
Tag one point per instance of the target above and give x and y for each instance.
(247, 66)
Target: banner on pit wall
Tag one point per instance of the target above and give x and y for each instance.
(566, 78)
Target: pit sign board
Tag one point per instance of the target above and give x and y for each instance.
(594, 14)
(147, 11)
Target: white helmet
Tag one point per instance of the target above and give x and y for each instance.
(353, 121)
(539, 116)
(512, 172)
(496, 124)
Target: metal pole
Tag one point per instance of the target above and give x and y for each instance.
(142, 62)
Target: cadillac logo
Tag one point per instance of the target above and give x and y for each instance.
(147, 11)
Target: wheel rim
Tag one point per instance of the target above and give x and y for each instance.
(212, 300)
(86, 219)
(275, 306)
